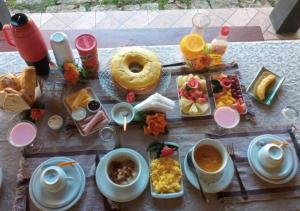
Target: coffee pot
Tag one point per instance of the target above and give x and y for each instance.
(23, 34)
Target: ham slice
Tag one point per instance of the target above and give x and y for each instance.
(99, 116)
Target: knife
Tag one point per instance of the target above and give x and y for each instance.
(292, 131)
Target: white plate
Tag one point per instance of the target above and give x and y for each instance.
(275, 173)
(167, 195)
(122, 194)
(286, 179)
(216, 187)
(49, 203)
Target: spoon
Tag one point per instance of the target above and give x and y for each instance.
(124, 113)
(193, 169)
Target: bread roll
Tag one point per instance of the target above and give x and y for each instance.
(9, 81)
(28, 81)
(15, 103)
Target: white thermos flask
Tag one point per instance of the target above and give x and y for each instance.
(61, 48)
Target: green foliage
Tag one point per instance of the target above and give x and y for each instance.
(162, 4)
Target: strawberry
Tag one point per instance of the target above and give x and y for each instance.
(166, 151)
(130, 97)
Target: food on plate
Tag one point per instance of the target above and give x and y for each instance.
(9, 81)
(264, 85)
(55, 122)
(93, 106)
(78, 99)
(156, 102)
(122, 172)
(227, 92)
(17, 92)
(99, 118)
(79, 114)
(155, 124)
(193, 98)
(136, 69)
(165, 174)
(208, 158)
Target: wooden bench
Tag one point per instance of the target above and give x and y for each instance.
(163, 36)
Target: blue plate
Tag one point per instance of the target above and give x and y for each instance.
(63, 199)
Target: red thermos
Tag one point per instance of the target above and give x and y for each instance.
(27, 38)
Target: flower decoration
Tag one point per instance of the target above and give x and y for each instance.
(130, 97)
(166, 151)
(71, 73)
(155, 124)
(37, 113)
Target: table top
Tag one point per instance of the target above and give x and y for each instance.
(280, 56)
(162, 36)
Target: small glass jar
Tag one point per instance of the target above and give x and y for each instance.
(108, 137)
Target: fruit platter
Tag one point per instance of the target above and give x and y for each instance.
(227, 91)
(192, 94)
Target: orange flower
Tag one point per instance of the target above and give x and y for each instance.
(156, 124)
(71, 73)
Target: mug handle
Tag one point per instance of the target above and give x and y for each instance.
(7, 35)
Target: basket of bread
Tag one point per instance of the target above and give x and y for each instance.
(18, 91)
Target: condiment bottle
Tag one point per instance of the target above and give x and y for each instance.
(86, 45)
(61, 48)
(23, 34)
(219, 44)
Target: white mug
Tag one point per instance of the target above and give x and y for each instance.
(271, 155)
(53, 178)
(211, 177)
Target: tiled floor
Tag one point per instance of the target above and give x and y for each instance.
(157, 19)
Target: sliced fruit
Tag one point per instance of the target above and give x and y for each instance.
(185, 104)
(193, 110)
(202, 107)
(202, 84)
(192, 45)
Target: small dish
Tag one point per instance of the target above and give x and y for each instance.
(151, 156)
(116, 112)
(270, 93)
(93, 106)
(78, 114)
(55, 122)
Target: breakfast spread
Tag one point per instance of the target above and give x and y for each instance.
(193, 100)
(77, 105)
(55, 122)
(227, 92)
(122, 172)
(17, 92)
(264, 85)
(136, 69)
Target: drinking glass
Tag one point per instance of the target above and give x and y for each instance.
(108, 137)
(290, 113)
(200, 23)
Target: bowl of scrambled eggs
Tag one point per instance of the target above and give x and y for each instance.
(165, 174)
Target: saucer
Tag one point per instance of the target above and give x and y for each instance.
(215, 187)
(280, 175)
(63, 199)
(122, 194)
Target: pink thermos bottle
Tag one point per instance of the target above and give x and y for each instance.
(27, 38)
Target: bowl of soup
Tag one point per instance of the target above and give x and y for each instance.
(210, 158)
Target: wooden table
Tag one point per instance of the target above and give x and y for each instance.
(110, 38)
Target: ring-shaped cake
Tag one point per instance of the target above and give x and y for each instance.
(136, 69)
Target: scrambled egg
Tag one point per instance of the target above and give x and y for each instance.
(165, 174)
